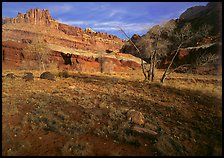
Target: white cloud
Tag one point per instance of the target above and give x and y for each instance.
(112, 25)
(130, 27)
(105, 28)
(75, 22)
(115, 12)
(108, 23)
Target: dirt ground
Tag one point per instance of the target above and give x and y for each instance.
(86, 114)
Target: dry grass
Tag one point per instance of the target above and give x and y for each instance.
(79, 114)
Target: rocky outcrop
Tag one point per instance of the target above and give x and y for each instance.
(12, 54)
(70, 30)
(33, 16)
(89, 30)
(136, 117)
(24, 28)
(129, 48)
(192, 12)
(13, 57)
(204, 59)
(211, 14)
(197, 16)
(135, 38)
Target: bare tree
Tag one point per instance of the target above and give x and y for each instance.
(156, 41)
(162, 39)
(206, 59)
(38, 48)
(180, 37)
(140, 54)
(101, 62)
(184, 36)
(154, 46)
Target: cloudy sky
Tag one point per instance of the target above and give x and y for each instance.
(133, 17)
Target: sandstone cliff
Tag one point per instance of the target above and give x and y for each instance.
(41, 23)
(33, 16)
(86, 50)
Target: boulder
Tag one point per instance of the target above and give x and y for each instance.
(136, 117)
(144, 132)
(28, 76)
(10, 75)
(48, 76)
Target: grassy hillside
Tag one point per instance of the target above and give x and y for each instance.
(87, 114)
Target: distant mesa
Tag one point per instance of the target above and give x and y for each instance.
(33, 16)
(79, 47)
(43, 18)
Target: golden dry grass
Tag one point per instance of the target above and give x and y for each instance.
(86, 110)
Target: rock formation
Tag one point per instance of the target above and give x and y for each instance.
(70, 46)
(197, 16)
(13, 57)
(40, 21)
(33, 16)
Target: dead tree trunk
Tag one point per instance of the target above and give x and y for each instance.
(143, 71)
(153, 66)
(101, 63)
(42, 64)
(150, 68)
(164, 75)
(154, 45)
(148, 74)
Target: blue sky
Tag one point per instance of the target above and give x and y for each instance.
(133, 17)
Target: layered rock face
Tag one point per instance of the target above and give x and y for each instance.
(33, 16)
(19, 32)
(37, 21)
(38, 17)
(13, 57)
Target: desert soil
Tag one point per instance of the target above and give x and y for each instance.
(86, 114)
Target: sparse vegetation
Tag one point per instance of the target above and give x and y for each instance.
(71, 92)
(64, 74)
(87, 114)
(38, 48)
(184, 37)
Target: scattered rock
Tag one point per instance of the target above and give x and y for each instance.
(48, 76)
(28, 76)
(72, 87)
(136, 117)
(144, 132)
(10, 75)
